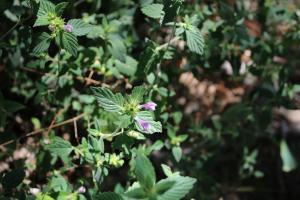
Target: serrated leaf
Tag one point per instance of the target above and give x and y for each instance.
(41, 21)
(136, 192)
(149, 58)
(164, 185)
(153, 10)
(45, 9)
(181, 187)
(177, 153)
(179, 31)
(80, 28)
(43, 43)
(155, 127)
(58, 183)
(107, 100)
(137, 94)
(108, 196)
(128, 68)
(123, 121)
(168, 172)
(289, 163)
(195, 41)
(117, 48)
(97, 145)
(69, 43)
(144, 172)
(60, 147)
(59, 8)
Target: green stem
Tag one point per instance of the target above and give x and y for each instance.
(113, 134)
(167, 47)
(58, 61)
(173, 33)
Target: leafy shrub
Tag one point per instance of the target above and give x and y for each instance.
(145, 99)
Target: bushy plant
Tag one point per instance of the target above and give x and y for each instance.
(148, 99)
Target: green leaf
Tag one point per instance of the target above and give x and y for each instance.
(80, 28)
(107, 100)
(128, 68)
(12, 16)
(177, 153)
(69, 43)
(137, 94)
(144, 172)
(153, 10)
(58, 183)
(155, 127)
(195, 40)
(12, 179)
(117, 48)
(60, 147)
(59, 8)
(108, 196)
(12, 106)
(43, 43)
(162, 186)
(46, 8)
(151, 78)
(123, 121)
(288, 160)
(136, 192)
(41, 196)
(158, 145)
(97, 144)
(149, 57)
(181, 187)
(168, 172)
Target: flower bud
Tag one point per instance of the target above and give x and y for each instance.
(115, 160)
(52, 27)
(68, 28)
(82, 189)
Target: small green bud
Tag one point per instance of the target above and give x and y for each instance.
(175, 141)
(136, 135)
(115, 160)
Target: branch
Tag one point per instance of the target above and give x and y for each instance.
(36, 132)
(88, 80)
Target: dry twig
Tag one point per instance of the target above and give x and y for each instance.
(36, 132)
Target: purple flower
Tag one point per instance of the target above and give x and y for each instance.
(81, 189)
(68, 28)
(149, 106)
(144, 124)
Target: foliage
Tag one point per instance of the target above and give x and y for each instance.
(149, 99)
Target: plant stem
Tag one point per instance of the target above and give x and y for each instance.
(45, 129)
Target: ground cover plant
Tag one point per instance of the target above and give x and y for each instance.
(149, 99)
